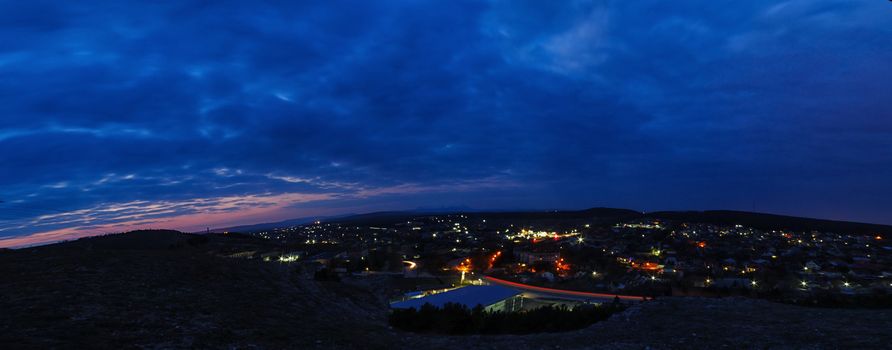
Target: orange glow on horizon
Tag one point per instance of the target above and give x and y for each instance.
(220, 214)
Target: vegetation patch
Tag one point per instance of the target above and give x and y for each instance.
(459, 319)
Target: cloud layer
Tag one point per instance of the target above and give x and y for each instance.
(191, 114)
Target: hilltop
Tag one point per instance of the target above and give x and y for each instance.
(772, 221)
(604, 215)
(166, 289)
(392, 217)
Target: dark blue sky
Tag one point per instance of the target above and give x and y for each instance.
(118, 115)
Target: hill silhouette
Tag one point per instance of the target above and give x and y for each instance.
(601, 215)
(772, 221)
(723, 217)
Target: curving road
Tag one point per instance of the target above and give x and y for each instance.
(560, 292)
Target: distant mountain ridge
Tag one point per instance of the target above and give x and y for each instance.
(350, 216)
(389, 217)
(766, 221)
(272, 225)
(762, 221)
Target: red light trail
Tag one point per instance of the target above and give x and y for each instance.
(561, 291)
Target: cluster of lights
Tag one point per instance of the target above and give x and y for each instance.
(638, 225)
(698, 242)
(560, 265)
(288, 258)
(539, 235)
(647, 265)
(464, 266)
(492, 259)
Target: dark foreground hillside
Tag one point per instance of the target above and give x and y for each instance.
(106, 292)
(170, 290)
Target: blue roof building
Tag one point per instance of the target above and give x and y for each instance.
(493, 298)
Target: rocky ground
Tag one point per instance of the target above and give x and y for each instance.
(169, 294)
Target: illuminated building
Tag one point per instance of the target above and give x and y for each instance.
(493, 298)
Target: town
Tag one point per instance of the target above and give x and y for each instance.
(642, 257)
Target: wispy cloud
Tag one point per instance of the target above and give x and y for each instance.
(198, 213)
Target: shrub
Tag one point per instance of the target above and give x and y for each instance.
(459, 319)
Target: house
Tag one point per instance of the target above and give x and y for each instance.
(811, 265)
(532, 257)
(247, 254)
